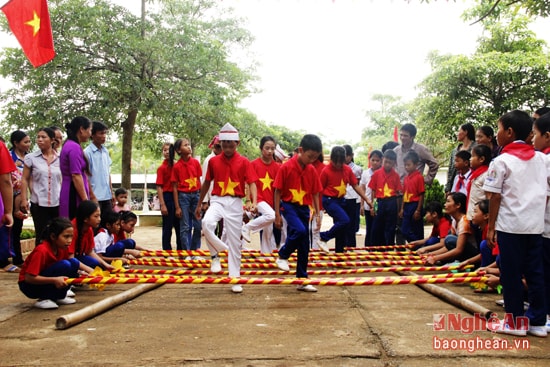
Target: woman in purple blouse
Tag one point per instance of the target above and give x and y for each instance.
(74, 167)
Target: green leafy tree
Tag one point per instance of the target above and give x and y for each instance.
(169, 74)
(509, 70)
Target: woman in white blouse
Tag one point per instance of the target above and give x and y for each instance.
(42, 177)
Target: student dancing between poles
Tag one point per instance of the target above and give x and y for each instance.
(297, 186)
(230, 172)
(266, 168)
(335, 178)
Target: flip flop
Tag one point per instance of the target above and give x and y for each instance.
(11, 269)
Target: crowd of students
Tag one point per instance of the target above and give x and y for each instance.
(496, 192)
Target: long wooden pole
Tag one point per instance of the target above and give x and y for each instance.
(66, 321)
(451, 297)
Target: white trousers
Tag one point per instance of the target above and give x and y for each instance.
(264, 222)
(315, 234)
(230, 209)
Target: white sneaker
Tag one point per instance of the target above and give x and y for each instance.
(547, 324)
(70, 293)
(46, 304)
(245, 232)
(323, 246)
(237, 288)
(504, 328)
(66, 301)
(197, 258)
(282, 264)
(215, 266)
(539, 331)
(306, 288)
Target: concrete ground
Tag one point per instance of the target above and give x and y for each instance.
(266, 325)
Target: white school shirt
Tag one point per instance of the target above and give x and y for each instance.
(477, 194)
(524, 187)
(464, 188)
(365, 179)
(103, 240)
(350, 192)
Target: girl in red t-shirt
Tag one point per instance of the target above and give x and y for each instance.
(166, 198)
(44, 271)
(266, 168)
(88, 217)
(441, 227)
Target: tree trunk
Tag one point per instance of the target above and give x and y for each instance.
(127, 134)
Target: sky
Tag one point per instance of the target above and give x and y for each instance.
(321, 61)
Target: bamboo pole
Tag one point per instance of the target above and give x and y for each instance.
(66, 321)
(451, 297)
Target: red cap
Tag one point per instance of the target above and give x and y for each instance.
(215, 141)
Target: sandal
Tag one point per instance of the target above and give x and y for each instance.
(11, 268)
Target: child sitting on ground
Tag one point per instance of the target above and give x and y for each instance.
(44, 271)
(441, 227)
(107, 248)
(128, 221)
(462, 244)
(480, 219)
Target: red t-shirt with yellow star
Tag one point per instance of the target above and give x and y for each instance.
(230, 175)
(413, 187)
(297, 184)
(385, 184)
(266, 175)
(187, 174)
(334, 181)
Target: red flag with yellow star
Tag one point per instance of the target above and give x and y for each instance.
(29, 21)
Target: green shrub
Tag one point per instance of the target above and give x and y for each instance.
(435, 192)
(27, 233)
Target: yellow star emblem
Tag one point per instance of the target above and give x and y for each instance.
(387, 191)
(407, 197)
(298, 195)
(229, 188)
(341, 189)
(34, 23)
(266, 182)
(192, 182)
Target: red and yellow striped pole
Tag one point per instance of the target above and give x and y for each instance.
(311, 272)
(396, 280)
(137, 275)
(271, 264)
